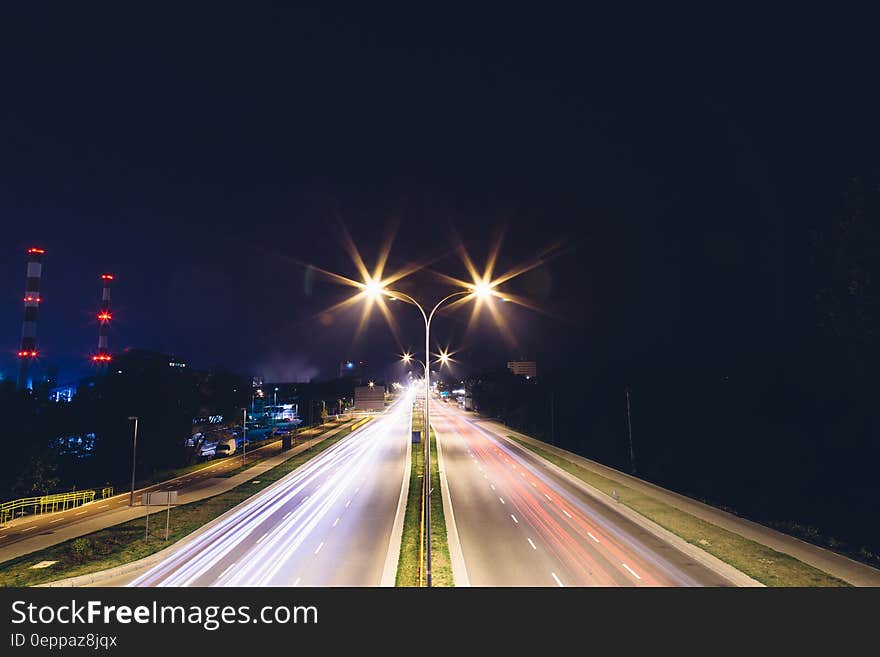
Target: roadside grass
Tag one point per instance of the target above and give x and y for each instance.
(760, 562)
(408, 564)
(125, 542)
(441, 564)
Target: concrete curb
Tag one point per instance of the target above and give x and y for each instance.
(389, 572)
(456, 556)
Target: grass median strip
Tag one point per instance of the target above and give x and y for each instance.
(125, 542)
(759, 562)
(408, 565)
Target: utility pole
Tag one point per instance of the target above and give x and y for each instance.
(632, 454)
(134, 445)
(243, 436)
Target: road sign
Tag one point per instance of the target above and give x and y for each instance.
(160, 498)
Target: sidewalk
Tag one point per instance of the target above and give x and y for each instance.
(857, 574)
(198, 491)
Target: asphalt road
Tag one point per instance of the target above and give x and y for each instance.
(29, 526)
(521, 524)
(328, 523)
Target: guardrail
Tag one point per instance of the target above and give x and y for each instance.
(44, 504)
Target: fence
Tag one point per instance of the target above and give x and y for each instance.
(44, 504)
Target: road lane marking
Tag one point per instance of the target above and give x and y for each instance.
(286, 515)
(502, 500)
(534, 547)
(336, 522)
(566, 513)
(58, 520)
(548, 497)
(104, 506)
(514, 518)
(534, 484)
(28, 529)
(634, 573)
(260, 540)
(347, 504)
(319, 547)
(80, 513)
(230, 567)
(593, 537)
(296, 583)
(306, 497)
(557, 579)
(492, 486)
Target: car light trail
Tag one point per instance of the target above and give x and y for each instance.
(586, 544)
(272, 535)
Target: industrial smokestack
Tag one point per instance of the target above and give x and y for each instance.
(102, 357)
(28, 351)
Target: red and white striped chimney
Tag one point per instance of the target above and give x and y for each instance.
(28, 351)
(102, 357)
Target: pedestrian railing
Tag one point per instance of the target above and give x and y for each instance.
(43, 504)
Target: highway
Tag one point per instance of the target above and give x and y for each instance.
(328, 523)
(522, 524)
(191, 482)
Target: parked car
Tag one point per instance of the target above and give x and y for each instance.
(225, 448)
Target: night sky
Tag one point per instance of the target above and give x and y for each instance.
(201, 156)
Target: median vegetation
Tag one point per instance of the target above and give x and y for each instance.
(759, 562)
(125, 542)
(410, 570)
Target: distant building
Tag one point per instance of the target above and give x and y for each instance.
(369, 398)
(526, 368)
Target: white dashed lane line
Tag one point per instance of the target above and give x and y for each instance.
(296, 583)
(514, 518)
(558, 582)
(27, 529)
(228, 568)
(260, 540)
(347, 504)
(568, 515)
(549, 499)
(287, 515)
(336, 522)
(632, 572)
(318, 549)
(593, 537)
(502, 500)
(534, 547)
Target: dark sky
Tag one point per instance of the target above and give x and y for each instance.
(200, 155)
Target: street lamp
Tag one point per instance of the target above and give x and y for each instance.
(481, 293)
(133, 457)
(274, 407)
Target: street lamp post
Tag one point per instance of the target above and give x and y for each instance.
(133, 457)
(427, 478)
(243, 436)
